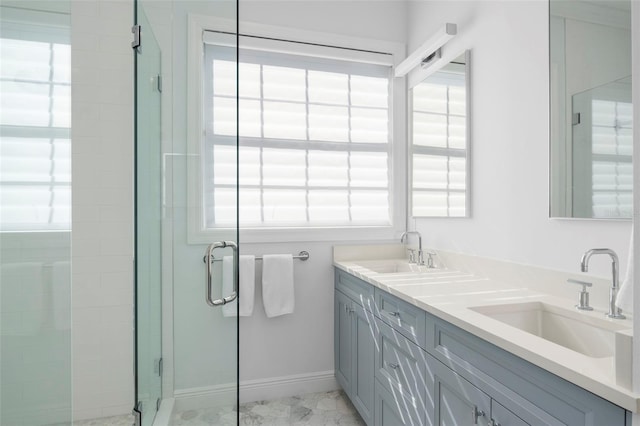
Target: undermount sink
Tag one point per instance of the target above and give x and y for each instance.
(588, 335)
(393, 266)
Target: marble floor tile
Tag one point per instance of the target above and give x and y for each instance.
(124, 420)
(317, 409)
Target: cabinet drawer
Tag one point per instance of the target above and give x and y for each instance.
(400, 366)
(359, 291)
(393, 409)
(402, 316)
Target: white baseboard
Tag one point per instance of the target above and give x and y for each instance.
(255, 390)
(281, 387)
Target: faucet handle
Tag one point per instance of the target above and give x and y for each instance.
(583, 297)
(430, 255)
(412, 255)
(584, 284)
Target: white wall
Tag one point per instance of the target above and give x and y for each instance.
(102, 190)
(509, 147)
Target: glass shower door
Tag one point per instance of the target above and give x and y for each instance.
(148, 222)
(171, 258)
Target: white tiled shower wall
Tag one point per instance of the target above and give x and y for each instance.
(102, 237)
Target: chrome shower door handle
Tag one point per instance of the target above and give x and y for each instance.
(208, 260)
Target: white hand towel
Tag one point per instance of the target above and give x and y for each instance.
(624, 300)
(246, 287)
(277, 284)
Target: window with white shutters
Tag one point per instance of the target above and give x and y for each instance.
(35, 122)
(314, 137)
(612, 167)
(439, 144)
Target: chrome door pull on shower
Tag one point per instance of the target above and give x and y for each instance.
(208, 257)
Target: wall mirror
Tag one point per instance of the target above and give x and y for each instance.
(591, 111)
(439, 142)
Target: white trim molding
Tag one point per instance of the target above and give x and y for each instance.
(255, 390)
(197, 25)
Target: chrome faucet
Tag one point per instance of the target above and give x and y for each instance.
(614, 311)
(404, 237)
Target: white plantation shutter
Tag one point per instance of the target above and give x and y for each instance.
(612, 168)
(35, 122)
(439, 145)
(313, 133)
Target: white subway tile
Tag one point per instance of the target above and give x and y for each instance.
(84, 9)
(86, 289)
(117, 410)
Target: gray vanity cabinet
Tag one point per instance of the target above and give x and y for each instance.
(400, 365)
(458, 402)
(355, 350)
(533, 394)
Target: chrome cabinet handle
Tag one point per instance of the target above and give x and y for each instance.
(393, 365)
(208, 260)
(395, 314)
(476, 414)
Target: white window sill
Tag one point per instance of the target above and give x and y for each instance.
(282, 235)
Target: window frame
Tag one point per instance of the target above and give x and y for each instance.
(197, 232)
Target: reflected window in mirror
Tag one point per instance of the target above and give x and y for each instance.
(438, 154)
(591, 109)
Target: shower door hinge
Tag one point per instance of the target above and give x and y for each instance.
(575, 118)
(157, 367)
(136, 36)
(137, 414)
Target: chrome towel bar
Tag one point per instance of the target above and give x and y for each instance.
(303, 255)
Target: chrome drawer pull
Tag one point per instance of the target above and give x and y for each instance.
(393, 365)
(395, 314)
(475, 414)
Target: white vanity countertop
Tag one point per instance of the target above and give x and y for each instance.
(448, 294)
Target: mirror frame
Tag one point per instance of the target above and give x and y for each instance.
(414, 80)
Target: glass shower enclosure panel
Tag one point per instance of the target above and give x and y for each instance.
(35, 214)
(178, 255)
(148, 221)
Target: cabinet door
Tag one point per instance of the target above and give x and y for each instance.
(362, 366)
(503, 417)
(402, 365)
(393, 409)
(343, 341)
(458, 402)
